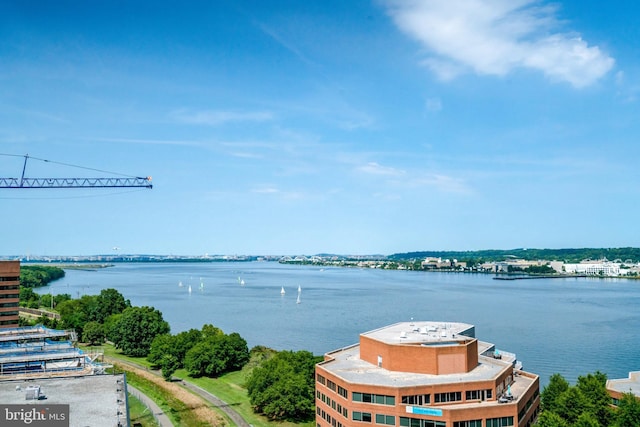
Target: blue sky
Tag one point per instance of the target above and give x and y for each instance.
(301, 127)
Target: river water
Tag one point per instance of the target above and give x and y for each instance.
(570, 326)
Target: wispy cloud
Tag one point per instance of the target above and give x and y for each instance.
(177, 142)
(494, 37)
(374, 168)
(220, 117)
(270, 190)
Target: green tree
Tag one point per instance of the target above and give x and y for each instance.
(109, 302)
(550, 419)
(161, 345)
(587, 419)
(571, 404)
(594, 388)
(93, 333)
(201, 360)
(549, 396)
(628, 412)
(73, 315)
(282, 387)
(110, 327)
(137, 327)
(169, 364)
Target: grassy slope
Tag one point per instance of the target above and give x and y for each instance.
(229, 388)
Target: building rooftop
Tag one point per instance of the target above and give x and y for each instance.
(424, 332)
(346, 362)
(94, 400)
(626, 385)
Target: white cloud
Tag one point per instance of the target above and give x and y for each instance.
(374, 168)
(219, 117)
(493, 37)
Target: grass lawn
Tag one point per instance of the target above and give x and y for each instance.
(140, 413)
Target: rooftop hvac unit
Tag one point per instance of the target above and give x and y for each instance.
(34, 392)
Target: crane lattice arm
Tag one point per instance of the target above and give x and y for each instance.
(75, 182)
(22, 182)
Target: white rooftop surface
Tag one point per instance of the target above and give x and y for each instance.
(93, 400)
(421, 332)
(348, 366)
(626, 385)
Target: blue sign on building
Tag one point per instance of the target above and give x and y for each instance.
(424, 411)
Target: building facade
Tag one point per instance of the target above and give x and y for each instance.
(424, 374)
(618, 387)
(9, 293)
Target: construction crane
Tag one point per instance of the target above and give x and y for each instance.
(123, 182)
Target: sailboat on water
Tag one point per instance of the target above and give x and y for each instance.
(282, 292)
(201, 284)
(180, 284)
(189, 288)
(299, 292)
(240, 281)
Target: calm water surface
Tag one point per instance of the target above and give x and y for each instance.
(572, 326)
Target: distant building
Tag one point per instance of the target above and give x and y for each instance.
(605, 268)
(424, 374)
(9, 293)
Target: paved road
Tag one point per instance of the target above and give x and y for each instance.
(158, 414)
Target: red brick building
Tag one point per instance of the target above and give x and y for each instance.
(9, 293)
(424, 374)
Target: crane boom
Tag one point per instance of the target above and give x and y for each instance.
(75, 182)
(125, 182)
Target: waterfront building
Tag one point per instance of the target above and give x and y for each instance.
(617, 387)
(424, 374)
(604, 267)
(9, 293)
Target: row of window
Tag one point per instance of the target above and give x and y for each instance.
(4, 296)
(356, 396)
(452, 396)
(499, 422)
(8, 313)
(491, 422)
(328, 418)
(380, 399)
(334, 405)
(9, 304)
(417, 422)
(9, 279)
(470, 423)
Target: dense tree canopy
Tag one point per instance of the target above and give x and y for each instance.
(282, 387)
(34, 276)
(208, 352)
(566, 255)
(136, 329)
(75, 313)
(587, 404)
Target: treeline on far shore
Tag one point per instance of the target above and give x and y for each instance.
(570, 255)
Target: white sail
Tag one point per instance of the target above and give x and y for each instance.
(282, 291)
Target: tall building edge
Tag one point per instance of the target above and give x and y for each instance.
(9, 293)
(424, 374)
